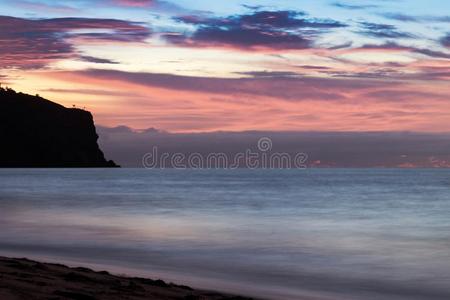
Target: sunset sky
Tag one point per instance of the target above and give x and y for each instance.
(235, 65)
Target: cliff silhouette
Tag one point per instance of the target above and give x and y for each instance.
(35, 132)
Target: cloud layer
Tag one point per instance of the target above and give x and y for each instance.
(260, 29)
(232, 66)
(28, 44)
(261, 100)
(383, 31)
(276, 85)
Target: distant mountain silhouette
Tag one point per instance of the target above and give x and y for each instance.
(35, 132)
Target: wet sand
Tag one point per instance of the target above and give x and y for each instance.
(21, 278)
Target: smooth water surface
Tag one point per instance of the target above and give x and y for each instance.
(279, 234)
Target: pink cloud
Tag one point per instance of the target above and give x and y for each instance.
(135, 3)
(186, 104)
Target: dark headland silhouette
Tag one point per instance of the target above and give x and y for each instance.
(35, 132)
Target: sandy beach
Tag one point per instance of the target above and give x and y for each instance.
(21, 278)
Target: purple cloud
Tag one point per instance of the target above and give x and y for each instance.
(260, 29)
(313, 67)
(29, 43)
(382, 31)
(417, 19)
(269, 74)
(97, 60)
(353, 6)
(445, 41)
(403, 95)
(395, 46)
(279, 86)
(431, 53)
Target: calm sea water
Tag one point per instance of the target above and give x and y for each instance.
(279, 234)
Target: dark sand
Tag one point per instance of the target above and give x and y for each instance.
(28, 280)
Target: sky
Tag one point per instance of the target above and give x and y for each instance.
(199, 66)
(350, 83)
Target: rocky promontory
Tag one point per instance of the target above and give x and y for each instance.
(38, 133)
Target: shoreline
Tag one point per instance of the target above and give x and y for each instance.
(21, 278)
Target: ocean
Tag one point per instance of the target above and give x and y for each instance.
(328, 234)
